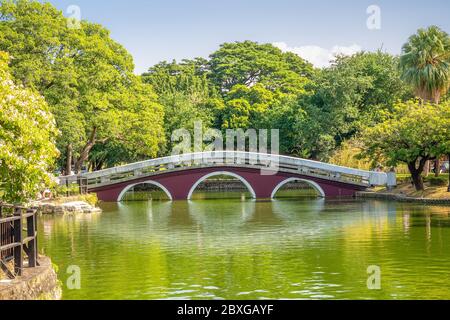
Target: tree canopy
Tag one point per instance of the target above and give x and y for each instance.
(351, 94)
(250, 85)
(248, 63)
(87, 80)
(27, 139)
(237, 87)
(425, 63)
(186, 94)
(411, 134)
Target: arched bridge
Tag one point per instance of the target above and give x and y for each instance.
(263, 175)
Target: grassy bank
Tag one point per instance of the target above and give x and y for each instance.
(435, 187)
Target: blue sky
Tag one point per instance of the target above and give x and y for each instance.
(156, 30)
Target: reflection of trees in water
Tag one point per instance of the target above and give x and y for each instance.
(145, 192)
(297, 190)
(291, 248)
(313, 216)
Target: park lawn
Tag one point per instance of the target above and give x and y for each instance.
(430, 192)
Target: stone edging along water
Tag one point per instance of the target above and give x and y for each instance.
(74, 207)
(402, 198)
(39, 283)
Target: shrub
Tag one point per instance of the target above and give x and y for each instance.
(440, 181)
(90, 198)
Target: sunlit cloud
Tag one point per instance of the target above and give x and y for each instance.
(318, 56)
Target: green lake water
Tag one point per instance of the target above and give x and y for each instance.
(245, 249)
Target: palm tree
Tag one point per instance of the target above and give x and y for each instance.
(425, 64)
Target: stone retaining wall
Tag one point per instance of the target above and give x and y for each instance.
(38, 283)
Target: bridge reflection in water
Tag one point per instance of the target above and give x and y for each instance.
(180, 215)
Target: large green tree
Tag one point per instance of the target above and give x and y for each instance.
(248, 63)
(259, 85)
(27, 140)
(86, 78)
(346, 97)
(411, 134)
(425, 64)
(239, 86)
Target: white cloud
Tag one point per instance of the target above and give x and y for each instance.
(318, 56)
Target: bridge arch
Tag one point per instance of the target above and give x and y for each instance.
(313, 184)
(221, 173)
(131, 186)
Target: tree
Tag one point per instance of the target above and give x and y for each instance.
(412, 134)
(27, 140)
(425, 63)
(186, 94)
(248, 63)
(86, 78)
(343, 99)
(355, 92)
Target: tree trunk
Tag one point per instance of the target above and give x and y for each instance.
(96, 165)
(68, 169)
(416, 173)
(436, 96)
(84, 155)
(437, 168)
(99, 165)
(417, 181)
(427, 168)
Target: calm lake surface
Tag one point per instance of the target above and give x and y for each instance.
(234, 249)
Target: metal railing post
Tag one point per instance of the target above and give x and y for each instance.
(18, 254)
(31, 232)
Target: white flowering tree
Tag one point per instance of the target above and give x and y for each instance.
(27, 140)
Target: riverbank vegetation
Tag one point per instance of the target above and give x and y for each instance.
(392, 110)
(433, 189)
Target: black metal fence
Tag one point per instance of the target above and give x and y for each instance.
(18, 239)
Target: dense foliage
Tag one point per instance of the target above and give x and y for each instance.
(87, 79)
(242, 85)
(248, 63)
(413, 134)
(185, 93)
(250, 85)
(425, 63)
(27, 136)
(351, 94)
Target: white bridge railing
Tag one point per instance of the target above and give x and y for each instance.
(267, 163)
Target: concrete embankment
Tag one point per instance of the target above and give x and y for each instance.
(39, 283)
